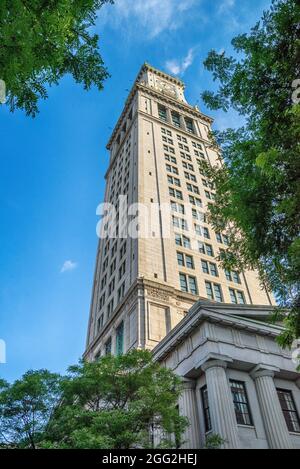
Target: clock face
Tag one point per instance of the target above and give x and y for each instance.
(166, 87)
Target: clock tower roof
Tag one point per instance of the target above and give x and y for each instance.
(161, 81)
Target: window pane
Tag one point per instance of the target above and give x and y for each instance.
(193, 285)
(209, 291)
(120, 339)
(289, 410)
(232, 296)
(205, 406)
(183, 282)
(240, 401)
(218, 292)
(180, 258)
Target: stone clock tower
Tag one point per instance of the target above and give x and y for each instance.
(144, 286)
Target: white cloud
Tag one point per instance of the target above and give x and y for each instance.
(178, 67)
(68, 265)
(153, 16)
(225, 5)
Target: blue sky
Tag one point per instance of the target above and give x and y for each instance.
(52, 170)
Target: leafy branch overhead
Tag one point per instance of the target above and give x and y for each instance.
(41, 41)
(258, 188)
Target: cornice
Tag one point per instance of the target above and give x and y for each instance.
(151, 91)
(175, 102)
(198, 314)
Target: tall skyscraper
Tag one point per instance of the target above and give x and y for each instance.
(144, 285)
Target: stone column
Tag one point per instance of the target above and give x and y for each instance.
(220, 401)
(188, 408)
(274, 423)
(169, 116)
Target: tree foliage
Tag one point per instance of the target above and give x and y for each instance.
(258, 187)
(26, 407)
(117, 402)
(41, 41)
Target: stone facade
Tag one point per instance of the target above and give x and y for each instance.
(148, 283)
(215, 348)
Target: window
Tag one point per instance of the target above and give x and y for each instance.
(100, 323)
(228, 275)
(240, 402)
(111, 286)
(185, 156)
(102, 300)
(103, 281)
(214, 291)
(185, 260)
(236, 277)
(170, 158)
(221, 238)
(213, 269)
(240, 297)
(179, 223)
(209, 250)
(175, 193)
(205, 406)
(188, 284)
(198, 230)
(169, 149)
(189, 261)
(175, 119)
(289, 410)
(176, 207)
(123, 249)
(182, 240)
(173, 180)
(183, 282)
(209, 268)
(206, 233)
(237, 297)
(189, 125)
(110, 307)
(188, 166)
(162, 113)
(113, 266)
(171, 169)
(190, 177)
(218, 292)
(195, 201)
(193, 285)
(205, 267)
(192, 188)
(121, 291)
(120, 339)
(122, 270)
(108, 347)
(180, 258)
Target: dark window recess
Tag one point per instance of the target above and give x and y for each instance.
(289, 410)
(241, 403)
(205, 406)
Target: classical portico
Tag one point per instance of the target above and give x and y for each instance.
(231, 354)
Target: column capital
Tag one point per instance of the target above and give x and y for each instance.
(213, 364)
(188, 383)
(214, 359)
(262, 369)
